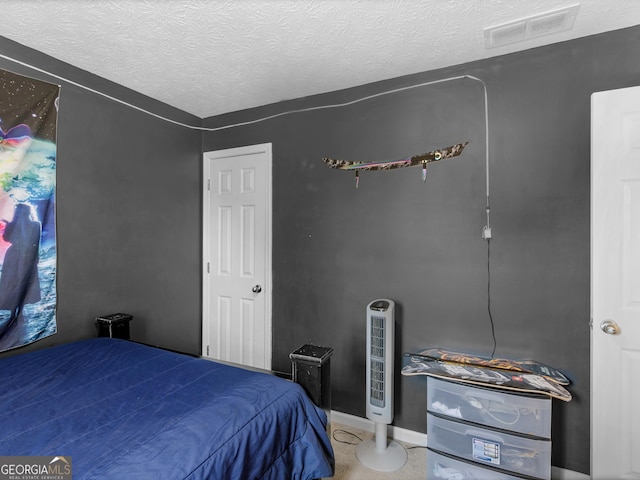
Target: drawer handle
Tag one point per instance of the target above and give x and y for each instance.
(484, 436)
(473, 395)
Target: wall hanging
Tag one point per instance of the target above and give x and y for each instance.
(28, 121)
(417, 160)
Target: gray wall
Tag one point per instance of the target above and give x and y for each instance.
(128, 211)
(336, 248)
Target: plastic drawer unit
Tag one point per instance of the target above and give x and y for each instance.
(530, 415)
(444, 467)
(497, 449)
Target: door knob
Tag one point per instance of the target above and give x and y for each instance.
(256, 289)
(610, 327)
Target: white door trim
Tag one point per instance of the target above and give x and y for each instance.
(266, 149)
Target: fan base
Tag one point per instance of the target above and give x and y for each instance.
(386, 460)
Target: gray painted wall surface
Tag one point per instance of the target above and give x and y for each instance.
(128, 211)
(336, 248)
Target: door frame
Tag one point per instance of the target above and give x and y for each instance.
(267, 150)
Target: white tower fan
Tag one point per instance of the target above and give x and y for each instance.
(380, 455)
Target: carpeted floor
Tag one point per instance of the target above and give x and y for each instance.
(345, 439)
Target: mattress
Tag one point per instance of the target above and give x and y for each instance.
(123, 410)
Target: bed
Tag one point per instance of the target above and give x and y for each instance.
(123, 410)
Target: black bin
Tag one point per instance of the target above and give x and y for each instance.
(311, 368)
(115, 325)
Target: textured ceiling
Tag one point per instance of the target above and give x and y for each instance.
(209, 57)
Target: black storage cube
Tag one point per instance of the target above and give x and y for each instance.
(115, 325)
(312, 370)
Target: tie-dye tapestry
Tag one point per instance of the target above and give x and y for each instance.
(28, 118)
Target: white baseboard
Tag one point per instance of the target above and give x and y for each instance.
(396, 433)
(417, 438)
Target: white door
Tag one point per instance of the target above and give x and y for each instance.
(615, 284)
(237, 256)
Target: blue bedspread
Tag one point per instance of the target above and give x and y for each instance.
(122, 410)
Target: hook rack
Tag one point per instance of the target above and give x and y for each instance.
(423, 160)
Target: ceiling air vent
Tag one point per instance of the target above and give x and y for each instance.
(531, 27)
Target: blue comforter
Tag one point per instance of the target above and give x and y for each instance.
(122, 410)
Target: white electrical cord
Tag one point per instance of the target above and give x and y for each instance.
(487, 229)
